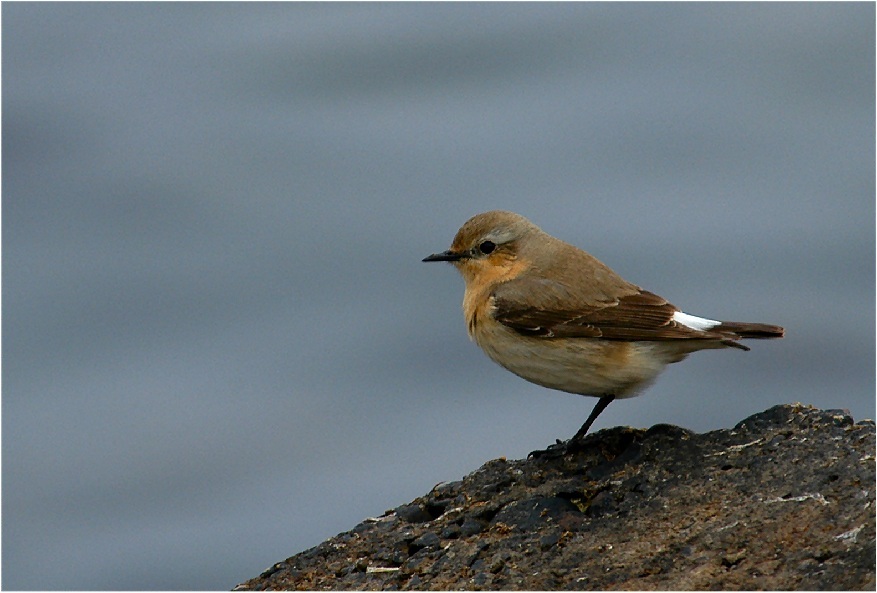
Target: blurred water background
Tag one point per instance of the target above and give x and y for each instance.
(220, 345)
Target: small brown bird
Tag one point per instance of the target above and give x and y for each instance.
(556, 316)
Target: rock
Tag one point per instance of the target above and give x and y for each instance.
(784, 500)
(471, 527)
(427, 540)
(413, 513)
(533, 513)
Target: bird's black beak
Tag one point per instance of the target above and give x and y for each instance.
(444, 256)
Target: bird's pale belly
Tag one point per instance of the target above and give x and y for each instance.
(584, 366)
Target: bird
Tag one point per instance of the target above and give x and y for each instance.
(558, 317)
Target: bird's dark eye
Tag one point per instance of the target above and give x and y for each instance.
(487, 247)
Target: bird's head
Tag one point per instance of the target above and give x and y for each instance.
(489, 245)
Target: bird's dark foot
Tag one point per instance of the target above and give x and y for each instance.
(558, 449)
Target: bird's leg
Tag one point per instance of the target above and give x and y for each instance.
(561, 448)
(598, 409)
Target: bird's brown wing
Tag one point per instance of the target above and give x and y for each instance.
(544, 308)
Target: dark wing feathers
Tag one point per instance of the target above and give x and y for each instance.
(549, 310)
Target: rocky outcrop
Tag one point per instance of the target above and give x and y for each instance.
(784, 500)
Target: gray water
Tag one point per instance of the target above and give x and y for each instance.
(220, 345)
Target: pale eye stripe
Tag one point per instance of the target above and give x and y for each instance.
(698, 323)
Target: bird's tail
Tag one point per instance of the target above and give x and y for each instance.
(735, 330)
(751, 330)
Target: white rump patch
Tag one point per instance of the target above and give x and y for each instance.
(698, 323)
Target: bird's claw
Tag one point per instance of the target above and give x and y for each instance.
(557, 450)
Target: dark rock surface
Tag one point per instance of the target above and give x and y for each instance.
(784, 500)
